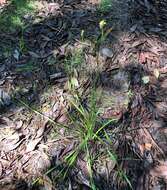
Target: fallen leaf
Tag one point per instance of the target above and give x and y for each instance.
(10, 144)
(160, 171)
(16, 54)
(156, 73)
(32, 144)
(148, 146)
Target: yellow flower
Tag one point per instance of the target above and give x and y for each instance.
(102, 23)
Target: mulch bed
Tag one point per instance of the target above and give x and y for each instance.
(29, 148)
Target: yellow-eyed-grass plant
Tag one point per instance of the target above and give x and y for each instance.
(103, 34)
(84, 122)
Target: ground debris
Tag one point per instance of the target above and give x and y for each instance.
(56, 58)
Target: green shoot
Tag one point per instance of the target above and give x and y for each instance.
(105, 6)
(124, 177)
(82, 35)
(103, 34)
(12, 17)
(29, 67)
(74, 62)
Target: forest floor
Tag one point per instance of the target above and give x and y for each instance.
(83, 96)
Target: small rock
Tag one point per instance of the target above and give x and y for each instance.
(146, 79)
(106, 52)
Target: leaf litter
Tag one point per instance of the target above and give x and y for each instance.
(36, 132)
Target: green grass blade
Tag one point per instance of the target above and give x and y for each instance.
(103, 126)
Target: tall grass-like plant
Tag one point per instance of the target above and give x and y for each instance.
(85, 122)
(105, 6)
(103, 34)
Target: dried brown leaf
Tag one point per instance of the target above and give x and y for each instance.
(32, 144)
